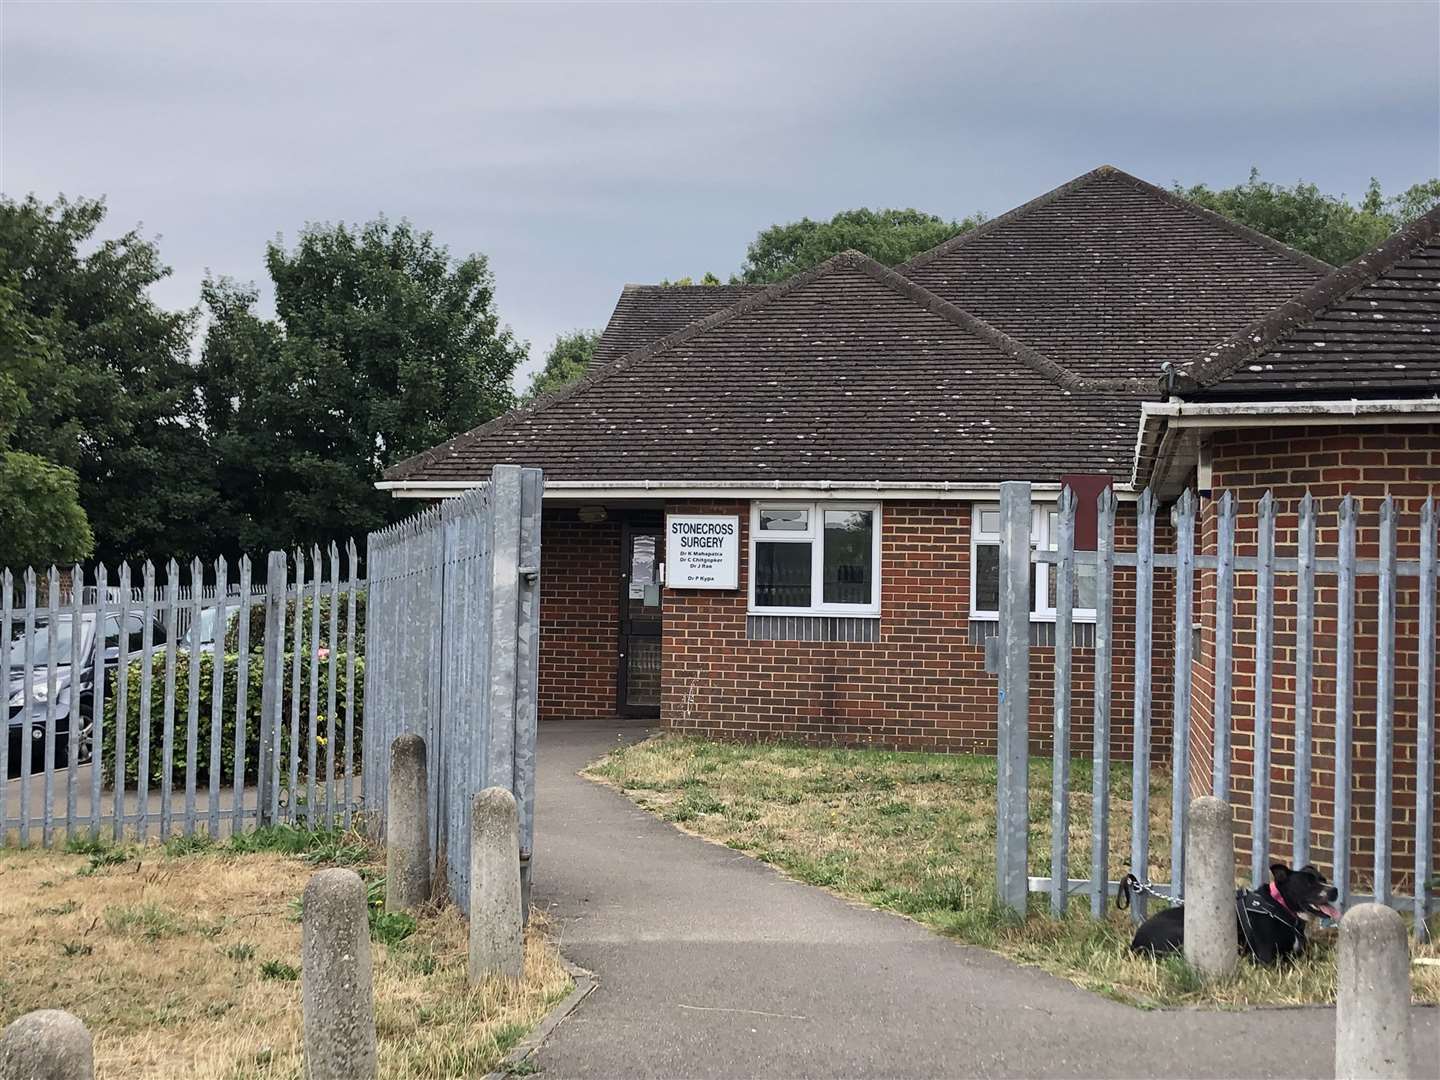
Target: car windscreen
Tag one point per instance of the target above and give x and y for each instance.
(202, 630)
(41, 654)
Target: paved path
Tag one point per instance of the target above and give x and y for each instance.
(710, 964)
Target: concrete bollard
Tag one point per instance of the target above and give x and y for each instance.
(337, 993)
(497, 943)
(407, 816)
(1372, 1007)
(49, 1044)
(1211, 947)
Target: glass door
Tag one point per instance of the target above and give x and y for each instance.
(641, 555)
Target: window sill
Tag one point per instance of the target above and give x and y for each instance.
(1078, 618)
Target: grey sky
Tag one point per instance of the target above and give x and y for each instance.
(582, 147)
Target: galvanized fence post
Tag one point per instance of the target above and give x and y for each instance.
(242, 700)
(1140, 750)
(147, 675)
(1385, 702)
(268, 808)
(1180, 717)
(1100, 769)
(1224, 633)
(1344, 696)
(7, 616)
(1304, 692)
(1013, 737)
(122, 704)
(1264, 672)
(532, 486)
(192, 712)
(1060, 748)
(1425, 717)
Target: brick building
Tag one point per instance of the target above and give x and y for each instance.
(854, 424)
(1333, 393)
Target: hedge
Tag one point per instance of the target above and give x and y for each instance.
(257, 622)
(256, 664)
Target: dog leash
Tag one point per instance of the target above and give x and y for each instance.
(1130, 885)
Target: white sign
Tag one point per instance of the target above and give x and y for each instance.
(702, 551)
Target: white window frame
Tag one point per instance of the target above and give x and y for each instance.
(1040, 539)
(814, 535)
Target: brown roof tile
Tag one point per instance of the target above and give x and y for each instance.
(646, 313)
(848, 372)
(1111, 276)
(1370, 329)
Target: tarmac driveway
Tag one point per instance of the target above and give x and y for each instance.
(710, 964)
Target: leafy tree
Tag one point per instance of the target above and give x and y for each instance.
(41, 520)
(888, 236)
(1329, 227)
(383, 346)
(567, 360)
(114, 399)
(706, 278)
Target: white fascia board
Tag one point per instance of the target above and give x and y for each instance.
(818, 490)
(1175, 414)
(1213, 414)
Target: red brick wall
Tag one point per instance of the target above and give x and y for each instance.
(1368, 462)
(579, 616)
(921, 686)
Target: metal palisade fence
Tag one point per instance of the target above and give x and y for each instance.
(184, 699)
(454, 657)
(1332, 693)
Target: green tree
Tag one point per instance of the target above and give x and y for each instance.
(566, 361)
(383, 346)
(41, 520)
(706, 278)
(114, 400)
(888, 236)
(1329, 227)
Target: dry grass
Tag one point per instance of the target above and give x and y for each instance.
(915, 834)
(186, 965)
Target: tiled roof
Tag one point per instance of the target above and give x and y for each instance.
(1111, 276)
(848, 372)
(646, 313)
(1370, 329)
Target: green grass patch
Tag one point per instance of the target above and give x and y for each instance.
(149, 921)
(915, 834)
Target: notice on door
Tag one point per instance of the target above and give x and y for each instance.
(702, 551)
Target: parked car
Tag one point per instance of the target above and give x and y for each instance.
(28, 689)
(203, 631)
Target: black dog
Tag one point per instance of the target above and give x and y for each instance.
(1270, 923)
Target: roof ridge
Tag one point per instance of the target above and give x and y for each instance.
(992, 335)
(1109, 172)
(619, 363)
(1262, 334)
(635, 286)
(1002, 342)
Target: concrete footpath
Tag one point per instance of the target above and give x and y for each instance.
(710, 964)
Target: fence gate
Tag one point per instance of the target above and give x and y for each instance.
(180, 700)
(1333, 753)
(453, 657)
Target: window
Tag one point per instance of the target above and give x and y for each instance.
(985, 568)
(815, 558)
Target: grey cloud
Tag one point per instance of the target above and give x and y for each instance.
(584, 146)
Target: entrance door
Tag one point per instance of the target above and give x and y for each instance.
(640, 558)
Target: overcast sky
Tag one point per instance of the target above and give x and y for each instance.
(583, 147)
